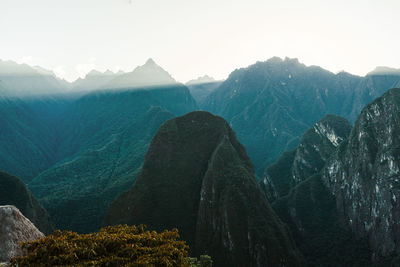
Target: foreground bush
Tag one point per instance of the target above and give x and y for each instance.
(111, 246)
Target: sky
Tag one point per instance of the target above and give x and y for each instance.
(191, 38)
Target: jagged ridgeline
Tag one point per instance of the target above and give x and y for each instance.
(198, 178)
(271, 104)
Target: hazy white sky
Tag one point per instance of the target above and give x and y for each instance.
(190, 38)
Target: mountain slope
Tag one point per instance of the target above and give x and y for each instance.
(201, 87)
(364, 175)
(271, 104)
(315, 147)
(28, 134)
(320, 233)
(105, 137)
(198, 178)
(14, 192)
(303, 201)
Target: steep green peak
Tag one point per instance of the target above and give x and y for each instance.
(14, 192)
(198, 178)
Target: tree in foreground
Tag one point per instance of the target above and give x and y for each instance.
(112, 246)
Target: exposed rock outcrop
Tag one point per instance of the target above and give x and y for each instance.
(198, 178)
(303, 201)
(14, 228)
(364, 176)
(316, 145)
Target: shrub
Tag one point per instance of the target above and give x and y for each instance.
(112, 246)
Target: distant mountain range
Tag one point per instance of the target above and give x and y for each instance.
(271, 104)
(80, 147)
(23, 80)
(77, 152)
(201, 87)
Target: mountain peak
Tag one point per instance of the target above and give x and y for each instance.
(203, 170)
(93, 73)
(150, 61)
(382, 70)
(200, 80)
(148, 75)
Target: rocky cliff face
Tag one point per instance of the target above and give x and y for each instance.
(14, 228)
(14, 192)
(364, 176)
(198, 178)
(316, 145)
(305, 204)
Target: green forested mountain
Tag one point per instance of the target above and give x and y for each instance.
(315, 147)
(198, 178)
(364, 176)
(271, 104)
(14, 192)
(28, 134)
(105, 137)
(303, 201)
(77, 152)
(340, 200)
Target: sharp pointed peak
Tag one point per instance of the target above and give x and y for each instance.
(150, 61)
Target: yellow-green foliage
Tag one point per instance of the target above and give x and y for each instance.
(205, 261)
(111, 246)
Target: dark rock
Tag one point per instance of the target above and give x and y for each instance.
(198, 178)
(14, 192)
(364, 175)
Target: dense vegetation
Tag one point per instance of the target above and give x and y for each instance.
(271, 104)
(103, 140)
(14, 192)
(197, 177)
(111, 246)
(306, 205)
(323, 238)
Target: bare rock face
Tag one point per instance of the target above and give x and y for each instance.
(365, 175)
(14, 228)
(316, 145)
